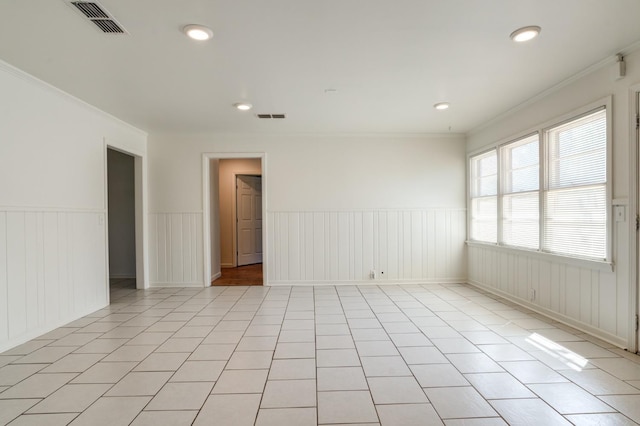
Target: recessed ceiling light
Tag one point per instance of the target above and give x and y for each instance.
(242, 106)
(441, 106)
(198, 32)
(525, 33)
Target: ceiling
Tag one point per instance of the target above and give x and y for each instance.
(388, 61)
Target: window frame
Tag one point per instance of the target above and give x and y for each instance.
(542, 129)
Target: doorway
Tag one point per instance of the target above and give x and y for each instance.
(234, 202)
(121, 216)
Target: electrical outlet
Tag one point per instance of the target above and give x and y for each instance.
(373, 274)
(532, 294)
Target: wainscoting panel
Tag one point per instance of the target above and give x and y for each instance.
(575, 294)
(175, 249)
(345, 246)
(52, 270)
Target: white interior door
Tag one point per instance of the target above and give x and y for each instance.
(249, 219)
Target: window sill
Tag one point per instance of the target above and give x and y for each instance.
(602, 266)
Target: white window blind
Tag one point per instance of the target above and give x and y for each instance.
(575, 221)
(484, 197)
(520, 172)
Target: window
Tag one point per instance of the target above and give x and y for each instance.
(576, 196)
(519, 192)
(554, 203)
(484, 197)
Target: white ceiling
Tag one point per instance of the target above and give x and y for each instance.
(389, 60)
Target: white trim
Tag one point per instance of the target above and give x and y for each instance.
(607, 337)
(27, 209)
(176, 284)
(141, 211)
(370, 282)
(206, 216)
(549, 257)
(632, 211)
(216, 276)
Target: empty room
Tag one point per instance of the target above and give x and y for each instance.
(297, 213)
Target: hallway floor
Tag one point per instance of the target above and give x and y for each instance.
(395, 355)
(242, 275)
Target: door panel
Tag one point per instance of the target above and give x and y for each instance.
(249, 218)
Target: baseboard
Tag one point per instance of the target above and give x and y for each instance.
(12, 343)
(600, 334)
(178, 285)
(122, 277)
(215, 276)
(275, 283)
(227, 265)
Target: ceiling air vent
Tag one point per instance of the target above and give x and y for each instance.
(99, 16)
(271, 116)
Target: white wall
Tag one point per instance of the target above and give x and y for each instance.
(583, 295)
(229, 168)
(52, 205)
(343, 180)
(121, 215)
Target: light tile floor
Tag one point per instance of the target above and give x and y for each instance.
(369, 355)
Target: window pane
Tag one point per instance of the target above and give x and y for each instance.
(484, 219)
(576, 222)
(520, 220)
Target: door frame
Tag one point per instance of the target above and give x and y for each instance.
(632, 213)
(141, 212)
(206, 208)
(234, 208)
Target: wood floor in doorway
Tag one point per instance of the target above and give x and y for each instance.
(242, 275)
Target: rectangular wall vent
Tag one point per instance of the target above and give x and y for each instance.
(271, 116)
(99, 16)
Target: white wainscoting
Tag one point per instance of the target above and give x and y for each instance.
(345, 246)
(577, 295)
(175, 249)
(52, 270)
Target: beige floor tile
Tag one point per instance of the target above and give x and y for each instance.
(250, 360)
(341, 379)
(162, 362)
(55, 419)
(346, 407)
(364, 334)
(423, 355)
(335, 342)
(198, 371)
(229, 410)
(337, 358)
(290, 369)
(15, 373)
(528, 412)
(223, 337)
(289, 394)
(47, 354)
(188, 344)
(112, 411)
(459, 402)
(181, 396)
(380, 366)
(505, 353)
(296, 336)
(140, 384)
(474, 363)
(267, 343)
(605, 419)
(396, 390)
(410, 339)
(287, 416)
(165, 418)
(130, 353)
(408, 415)
(12, 408)
(438, 375)
(377, 348)
(567, 398)
(101, 346)
(39, 385)
(105, 372)
(486, 421)
(123, 333)
(295, 350)
(241, 381)
(498, 386)
(70, 399)
(532, 372)
(621, 368)
(599, 382)
(454, 346)
(74, 363)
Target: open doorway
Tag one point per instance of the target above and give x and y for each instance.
(121, 219)
(234, 196)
